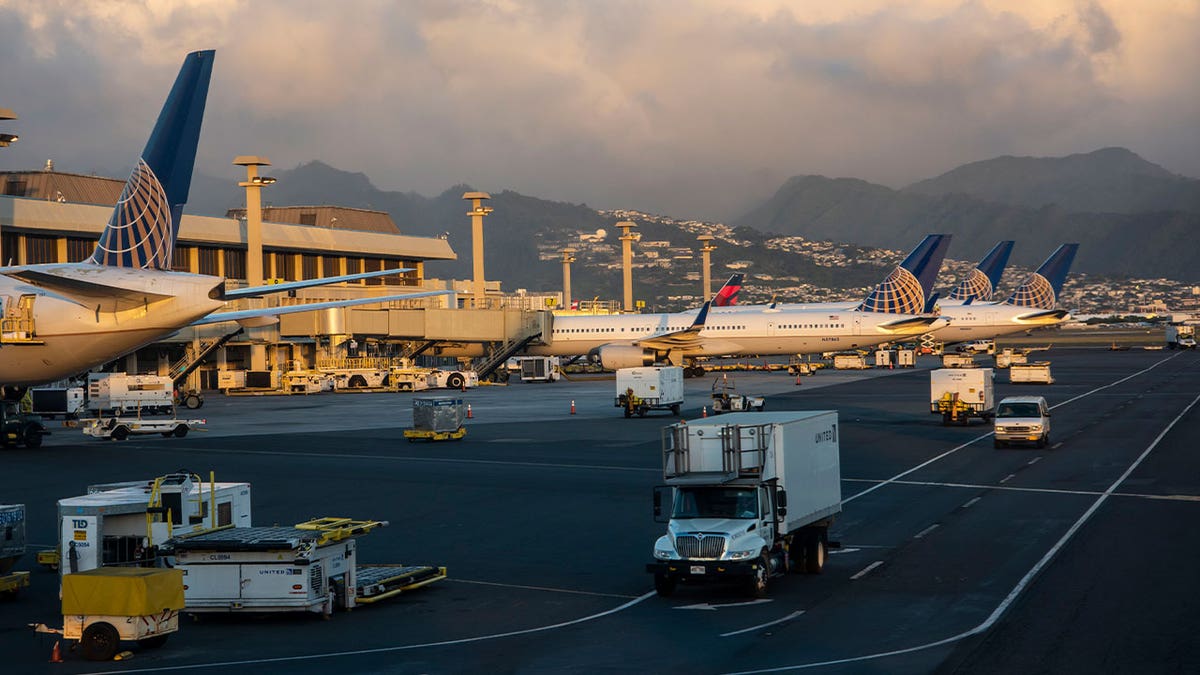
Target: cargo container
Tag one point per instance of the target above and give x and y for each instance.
(646, 388)
(958, 394)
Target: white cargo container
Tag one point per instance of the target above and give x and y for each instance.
(906, 358)
(540, 369)
(747, 496)
(1034, 373)
(958, 394)
(231, 379)
(883, 358)
(649, 388)
(849, 362)
(120, 392)
(66, 401)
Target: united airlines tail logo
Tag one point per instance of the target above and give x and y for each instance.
(900, 293)
(1035, 292)
(976, 286)
(139, 232)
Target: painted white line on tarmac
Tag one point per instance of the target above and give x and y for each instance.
(386, 650)
(971, 503)
(1007, 478)
(867, 570)
(980, 438)
(1056, 445)
(922, 533)
(1021, 585)
(1033, 461)
(1053, 491)
(760, 626)
(539, 588)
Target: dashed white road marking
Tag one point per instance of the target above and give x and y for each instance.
(760, 626)
(922, 533)
(711, 607)
(538, 588)
(867, 570)
(1056, 446)
(1033, 461)
(1007, 478)
(1010, 488)
(971, 503)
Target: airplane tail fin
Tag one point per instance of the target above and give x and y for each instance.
(142, 229)
(985, 278)
(727, 295)
(907, 288)
(1042, 288)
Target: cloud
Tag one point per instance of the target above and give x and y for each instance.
(693, 109)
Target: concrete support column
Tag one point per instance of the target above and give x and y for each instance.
(627, 239)
(706, 249)
(568, 257)
(254, 245)
(477, 213)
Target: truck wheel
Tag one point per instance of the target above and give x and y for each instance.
(675, 410)
(756, 586)
(1041, 442)
(180, 431)
(814, 553)
(33, 438)
(100, 642)
(120, 433)
(455, 381)
(357, 382)
(193, 401)
(154, 641)
(664, 585)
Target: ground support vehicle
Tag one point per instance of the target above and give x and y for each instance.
(306, 381)
(958, 394)
(103, 607)
(117, 393)
(906, 358)
(746, 498)
(20, 428)
(1007, 357)
(977, 347)
(540, 369)
(130, 523)
(958, 361)
(798, 367)
(726, 399)
(453, 379)
(120, 428)
(849, 362)
(50, 402)
(1022, 419)
(640, 390)
(358, 378)
(311, 567)
(408, 379)
(1181, 336)
(1037, 372)
(437, 419)
(12, 547)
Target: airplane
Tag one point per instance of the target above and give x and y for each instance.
(981, 283)
(1031, 305)
(61, 319)
(895, 308)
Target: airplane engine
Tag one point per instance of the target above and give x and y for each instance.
(612, 357)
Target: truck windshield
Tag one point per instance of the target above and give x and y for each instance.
(712, 502)
(1018, 410)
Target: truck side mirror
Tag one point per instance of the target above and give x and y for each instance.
(781, 502)
(659, 492)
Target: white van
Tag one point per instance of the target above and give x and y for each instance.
(1022, 419)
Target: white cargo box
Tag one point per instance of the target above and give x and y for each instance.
(798, 448)
(1037, 373)
(883, 358)
(849, 362)
(906, 358)
(129, 393)
(972, 386)
(231, 379)
(658, 386)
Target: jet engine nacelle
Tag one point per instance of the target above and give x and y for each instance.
(613, 357)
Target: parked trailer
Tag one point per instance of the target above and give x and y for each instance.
(958, 361)
(746, 498)
(540, 369)
(849, 362)
(116, 393)
(958, 394)
(120, 428)
(50, 402)
(1037, 372)
(311, 567)
(647, 388)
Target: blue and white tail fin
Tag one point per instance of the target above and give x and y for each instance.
(141, 232)
(984, 279)
(1042, 288)
(908, 287)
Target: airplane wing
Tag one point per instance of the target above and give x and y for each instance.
(911, 323)
(253, 317)
(86, 292)
(259, 291)
(677, 339)
(1047, 316)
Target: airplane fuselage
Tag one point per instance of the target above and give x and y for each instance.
(988, 320)
(91, 315)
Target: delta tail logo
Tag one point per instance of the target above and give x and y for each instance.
(900, 293)
(728, 295)
(139, 231)
(976, 286)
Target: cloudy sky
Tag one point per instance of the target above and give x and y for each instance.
(692, 109)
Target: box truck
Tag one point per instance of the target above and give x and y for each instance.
(958, 394)
(649, 388)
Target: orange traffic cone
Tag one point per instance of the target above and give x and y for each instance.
(470, 415)
(56, 653)
(704, 411)
(572, 406)
(464, 384)
(797, 379)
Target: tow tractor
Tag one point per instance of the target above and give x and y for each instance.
(20, 428)
(120, 428)
(726, 399)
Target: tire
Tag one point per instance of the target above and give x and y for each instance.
(154, 641)
(193, 401)
(455, 381)
(664, 585)
(120, 433)
(357, 382)
(100, 642)
(1041, 443)
(815, 553)
(33, 438)
(675, 410)
(641, 412)
(180, 431)
(756, 585)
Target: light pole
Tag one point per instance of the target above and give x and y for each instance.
(477, 212)
(254, 250)
(627, 239)
(706, 249)
(568, 257)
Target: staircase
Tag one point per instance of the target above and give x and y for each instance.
(184, 366)
(500, 355)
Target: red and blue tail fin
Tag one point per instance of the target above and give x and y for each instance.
(984, 279)
(727, 295)
(141, 232)
(1042, 288)
(908, 287)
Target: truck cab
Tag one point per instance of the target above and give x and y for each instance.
(1022, 419)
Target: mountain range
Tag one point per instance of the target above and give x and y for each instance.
(1133, 217)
